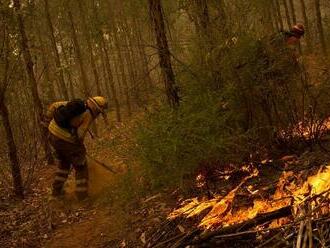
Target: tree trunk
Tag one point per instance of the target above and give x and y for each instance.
(110, 81)
(89, 44)
(105, 74)
(156, 15)
(14, 162)
(59, 68)
(48, 83)
(287, 14)
(4, 113)
(306, 24)
(32, 80)
(118, 80)
(268, 20)
(273, 13)
(320, 27)
(122, 72)
(278, 14)
(143, 54)
(83, 76)
(293, 11)
(67, 70)
(130, 66)
(203, 19)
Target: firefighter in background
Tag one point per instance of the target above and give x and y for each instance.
(293, 36)
(69, 123)
(289, 38)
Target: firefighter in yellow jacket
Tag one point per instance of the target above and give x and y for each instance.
(69, 123)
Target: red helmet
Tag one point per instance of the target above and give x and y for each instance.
(298, 29)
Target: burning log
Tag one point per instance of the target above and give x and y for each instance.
(236, 225)
(258, 220)
(196, 237)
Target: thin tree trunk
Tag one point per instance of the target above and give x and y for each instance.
(156, 14)
(14, 162)
(105, 74)
(287, 14)
(111, 82)
(143, 54)
(4, 113)
(278, 14)
(130, 67)
(89, 44)
(83, 76)
(48, 83)
(273, 13)
(131, 59)
(118, 80)
(306, 24)
(66, 61)
(203, 20)
(320, 27)
(293, 11)
(32, 80)
(268, 21)
(122, 72)
(59, 68)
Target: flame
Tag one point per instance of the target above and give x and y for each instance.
(308, 130)
(288, 192)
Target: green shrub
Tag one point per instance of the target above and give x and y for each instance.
(251, 92)
(172, 143)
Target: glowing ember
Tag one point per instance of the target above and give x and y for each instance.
(200, 181)
(287, 193)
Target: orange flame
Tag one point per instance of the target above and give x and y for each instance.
(287, 193)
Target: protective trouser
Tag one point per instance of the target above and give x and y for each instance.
(70, 154)
(81, 181)
(61, 176)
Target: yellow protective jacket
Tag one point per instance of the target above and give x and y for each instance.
(81, 122)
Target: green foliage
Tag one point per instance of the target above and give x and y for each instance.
(172, 143)
(251, 94)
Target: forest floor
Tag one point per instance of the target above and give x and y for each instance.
(101, 221)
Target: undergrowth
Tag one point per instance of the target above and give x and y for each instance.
(245, 96)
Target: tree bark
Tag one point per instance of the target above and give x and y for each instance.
(268, 20)
(118, 80)
(122, 72)
(110, 81)
(273, 13)
(14, 162)
(67, 70)
(143, 54)
(48, 83)
(129, 59)
(203, 19)
(278, 14)
(83, 76)
(287, 14)
(12, 149)
(293, 11)
(320, 27)
(59, 68)
(306, 24)
(89, 45)
(156, 15)
(32, 80)
(105, 74)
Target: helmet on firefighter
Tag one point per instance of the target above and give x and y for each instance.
(97, 104)
(298, 30)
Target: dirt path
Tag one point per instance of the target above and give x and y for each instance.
(86, 224)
